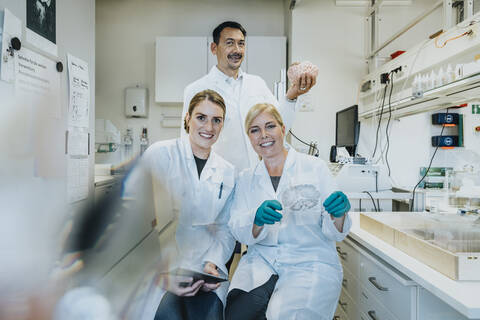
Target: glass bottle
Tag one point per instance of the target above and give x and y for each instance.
(143, 141)
(128, 144)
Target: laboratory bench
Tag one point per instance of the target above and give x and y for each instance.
(382, 282)
(105, 184)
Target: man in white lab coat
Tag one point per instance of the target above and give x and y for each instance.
(240, 91)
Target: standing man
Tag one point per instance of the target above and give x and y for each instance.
(240, 91)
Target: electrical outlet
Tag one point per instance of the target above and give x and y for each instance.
(474, 31)
(305, 107)
(306, 102)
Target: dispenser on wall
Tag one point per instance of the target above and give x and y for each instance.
(136, 102)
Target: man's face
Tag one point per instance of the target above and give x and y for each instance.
(230, 50)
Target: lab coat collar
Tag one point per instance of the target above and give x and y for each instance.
(217, 74)
(261, 168)
(210, 166)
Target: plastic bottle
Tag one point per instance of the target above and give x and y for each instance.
(128, 144)
(417, 87)
(143, 141)
(440, 78)
(431, 80)
(450, 74)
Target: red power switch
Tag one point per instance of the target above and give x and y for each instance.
(477, 128)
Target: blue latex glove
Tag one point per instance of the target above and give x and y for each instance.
(266, 213)
(337, 204)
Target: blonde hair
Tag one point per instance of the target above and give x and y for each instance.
(259, 108)
(209, 95)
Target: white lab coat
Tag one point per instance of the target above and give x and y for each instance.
(300, 248)
(233, 144)
(200, 205)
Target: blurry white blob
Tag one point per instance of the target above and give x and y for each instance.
(83, 303)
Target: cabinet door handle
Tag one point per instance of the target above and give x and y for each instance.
(343, 305)
(373, 281)
(342, 255)
(372, 315)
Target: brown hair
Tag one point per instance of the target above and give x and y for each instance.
(260, 108)
(209, 95)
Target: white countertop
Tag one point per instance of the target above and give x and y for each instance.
(103, 180)
(460, 295)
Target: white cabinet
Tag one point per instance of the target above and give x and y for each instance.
(182, 60)
(266, 56)
(372, 289)
(179, 61)
(432, 308)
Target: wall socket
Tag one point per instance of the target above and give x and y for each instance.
(306, 103)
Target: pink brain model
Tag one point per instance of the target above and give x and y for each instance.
(297, 69)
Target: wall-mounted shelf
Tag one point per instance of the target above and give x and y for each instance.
(456, 92)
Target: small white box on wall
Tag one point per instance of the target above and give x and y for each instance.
(136, 102)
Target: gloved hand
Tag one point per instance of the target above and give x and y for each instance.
(266, 213)
(337, 204)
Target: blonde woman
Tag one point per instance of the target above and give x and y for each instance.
(288, 212)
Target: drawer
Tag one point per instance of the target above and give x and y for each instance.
(349, 257)
(348, 306)
(340, 314)
(371, 309)
(382, 285)
(350, 284)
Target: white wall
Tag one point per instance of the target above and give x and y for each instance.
(126, 32)
(44, 136)
(332, 38)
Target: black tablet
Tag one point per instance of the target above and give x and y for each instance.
(208, 278)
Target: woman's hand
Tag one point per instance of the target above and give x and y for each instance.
(337, 204)
(180, 286)
(210, 268)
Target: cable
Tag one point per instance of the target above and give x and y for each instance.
(451, 39)
(373, 201)
(307, 144)
(388, 123)
(380, 120)
(428, 169)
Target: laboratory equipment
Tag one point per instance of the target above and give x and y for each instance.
(359, 178)
(128, 144)
(347, 129)
(143, 140)
(445, 141)
(107, 136)
(136, 102)
(449, 243)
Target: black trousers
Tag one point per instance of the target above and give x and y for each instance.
(204, 305)
(242, 305)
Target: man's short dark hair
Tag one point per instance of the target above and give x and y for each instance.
(227, 24)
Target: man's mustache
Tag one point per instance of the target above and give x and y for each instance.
(235, 55)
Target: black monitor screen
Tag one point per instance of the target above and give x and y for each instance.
(346, 127)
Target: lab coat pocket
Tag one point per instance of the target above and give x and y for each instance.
(215, 193)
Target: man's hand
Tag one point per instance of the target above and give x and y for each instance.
(210, 268)
(303, 77)
(305, 82)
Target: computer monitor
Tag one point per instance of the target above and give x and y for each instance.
(347, 129)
